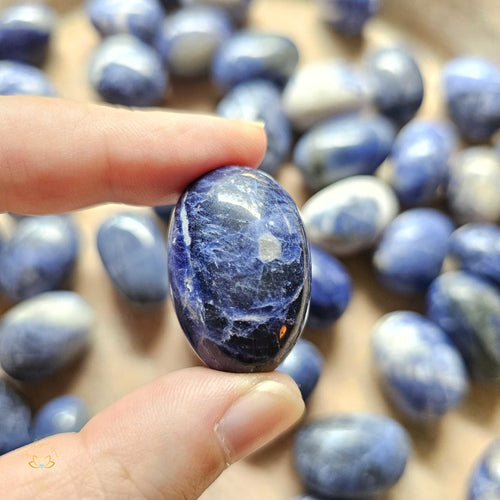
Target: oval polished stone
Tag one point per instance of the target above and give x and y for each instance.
(467, 308)
(484, 483)
(134, 254)
(252, 55)
(348, 16)
(476, 248)
(260, 100)
(237, 9)
(351, 455)
(304, 364)
(39, 256)
(421, 371)
(343, 147)
(25, 32)
(320, 90)
(42, 334)
(126, 71)
(349, 215)
(21, 79)
(240, 269)
(61, 414)
(412, 250)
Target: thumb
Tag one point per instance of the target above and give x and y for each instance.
(169, 439)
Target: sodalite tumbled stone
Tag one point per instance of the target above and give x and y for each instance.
(25, 32)
(237, 9)
(484, 483)
(467, 308)
(126, 71)
(42, 334)
(348, 16)
(330, 289)
(21, 79)
(412, 250)
(240, 269)
(421, 371)
(304, 364)
(351, 455)
(39, 256)
(61, 414)
(189, 38)
(251, 55)
(343, 147)
(260, 100)
(134, 255)
(349, 215)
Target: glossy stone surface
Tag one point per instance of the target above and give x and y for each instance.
(349, 215)
(330, 289)
(412, 250)
(164, 211)
(141, 18)
(467, 308)
(132, 249)
(21, 79)
(237, 9)
(348, 16)
(476, 248)
(42, 334)
(240, 269)
(343, 147)
(474, 185)
(472, 93)
(252, 55)
(39, 256)
(15, 418)
(484, 483)
(25, 32)
(260, 100)
(304, 364)
(420, 370)
(320, 90)
(396, 82)
(61, 414)
(351, 455)
(189, 38)
(420, 158)
(126, 71)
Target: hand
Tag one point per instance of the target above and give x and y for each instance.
(173, 437)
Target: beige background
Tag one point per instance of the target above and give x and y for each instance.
(131, 347)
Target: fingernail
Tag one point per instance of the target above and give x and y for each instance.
(259, 123)
(257, 417)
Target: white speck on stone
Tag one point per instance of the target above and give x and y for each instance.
(269, 247)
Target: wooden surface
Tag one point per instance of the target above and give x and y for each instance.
(132, 347)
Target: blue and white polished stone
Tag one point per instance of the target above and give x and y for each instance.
(396, 82)
(476, 248)
(350, 215)
(25, 32)
(141, 18)
(304, 364)
(484, 483)
(164, 212)
(61, 414)
(412, 250)
(472, 94)
(348, 16)
(351, 455)
(321, 90)
(43, 334)
(189, 38)
(15, 418)
(254, 55)
(421, 371)
(240, 269)
(132, 249)
(21, 79)
(330, 289)
(420, 158)
(237, 9)
(39, 256)
(467, 309)
(260, 100)
(126, 71)
(474, 185)
(343, 147)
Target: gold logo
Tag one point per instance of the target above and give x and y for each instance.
(41, 462)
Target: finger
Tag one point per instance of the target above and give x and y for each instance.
(170, 439)
(57, 155)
